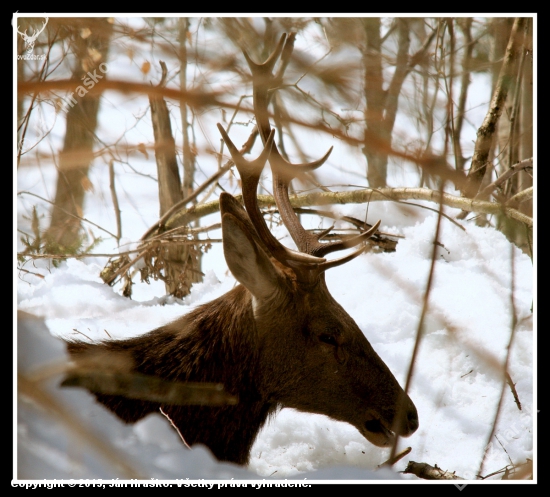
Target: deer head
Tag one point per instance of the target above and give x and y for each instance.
(315, 357)
(277, 340)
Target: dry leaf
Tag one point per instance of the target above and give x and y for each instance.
(141, 148)
(85, 32)
(87, 184)
(94, 54)
(146, 67)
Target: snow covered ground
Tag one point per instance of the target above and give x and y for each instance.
(455, 387)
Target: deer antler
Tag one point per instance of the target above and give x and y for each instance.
(312, 251)
(24, 35)
(250, 176)
(283, 171)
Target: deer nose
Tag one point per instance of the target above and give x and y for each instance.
(412, 420)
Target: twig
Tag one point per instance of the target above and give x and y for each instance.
(520, 197)
(524, 164)
(512, 386)
(420, 327)
(396, 458)
(193, 98)
(175, 428)
(199, 99)
(67, 212)
(504, 449)
(427, 472)
(513, 324)
(519, 471)
(30, 272)
(115, 200)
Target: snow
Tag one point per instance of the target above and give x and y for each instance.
(457, 378)
(455, 386)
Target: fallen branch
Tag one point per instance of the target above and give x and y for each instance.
(362, 196)
(427, 472)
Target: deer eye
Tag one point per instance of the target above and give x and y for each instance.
(329, 339)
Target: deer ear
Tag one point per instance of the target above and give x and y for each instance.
(246, 259)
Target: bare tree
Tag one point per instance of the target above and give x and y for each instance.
(405, 102)
(90, 44)
(397, 90)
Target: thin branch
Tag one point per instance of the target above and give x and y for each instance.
(420, 328)
(193, 98)
(114, 197)
(512, 386)
(201, 99)
(397, 458)
(520, 197)
(513, 324)
(67, 212)
(175, 428)
(524, 164)
(38, 275)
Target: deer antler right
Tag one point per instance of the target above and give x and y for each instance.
(284, 172)
(250, 175)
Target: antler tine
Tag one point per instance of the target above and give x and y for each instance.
(246, 168)
(327, 248)
(283, 173)
(269, 64)
(262, 78)
(342, 260)
(289, 171)
(250, 172)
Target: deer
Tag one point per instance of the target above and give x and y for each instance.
(276, 340)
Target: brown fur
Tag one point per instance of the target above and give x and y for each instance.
(286, 365)
(279, 340)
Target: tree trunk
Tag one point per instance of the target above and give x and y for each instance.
(181, 262)
(192, 255)
(91, 39)
(375, 96)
